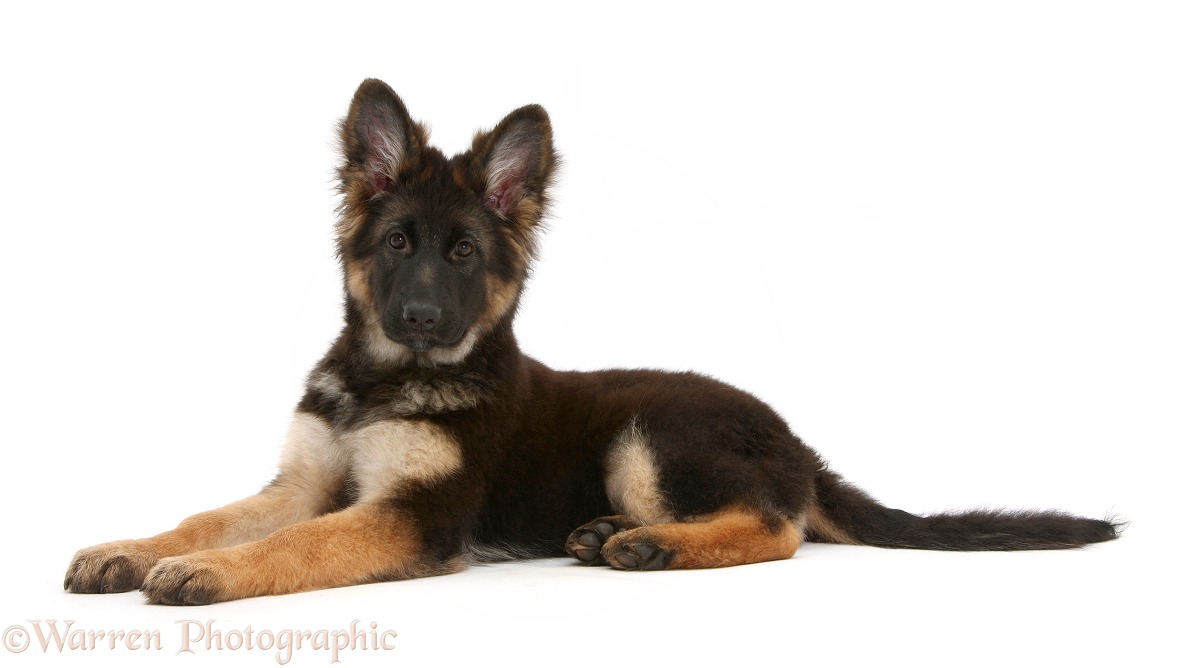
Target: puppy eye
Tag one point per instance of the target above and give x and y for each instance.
(398, 240)
(464, 249)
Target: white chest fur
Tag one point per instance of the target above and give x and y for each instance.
(381, 458)
(387, 455)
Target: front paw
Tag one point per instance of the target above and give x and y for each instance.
(110, 568)
(193, 579)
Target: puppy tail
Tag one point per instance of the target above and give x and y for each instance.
(842, 513)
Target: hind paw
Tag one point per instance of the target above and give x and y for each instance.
(632, 551)
(585, 543)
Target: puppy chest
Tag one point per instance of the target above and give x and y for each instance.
(387, 455)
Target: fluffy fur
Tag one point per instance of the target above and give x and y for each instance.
(426, 440)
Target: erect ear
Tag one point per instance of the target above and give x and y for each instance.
(517, 161)
(378, 136)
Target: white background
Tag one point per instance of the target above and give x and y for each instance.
(940, 239)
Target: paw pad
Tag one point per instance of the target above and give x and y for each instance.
(586, 542)
(632, 555)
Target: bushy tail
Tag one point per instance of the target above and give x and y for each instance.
(845, 514)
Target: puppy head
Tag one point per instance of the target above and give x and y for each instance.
(435, 250)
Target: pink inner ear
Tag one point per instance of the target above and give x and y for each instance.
(504, 200)
(386, 152)
(504, 187)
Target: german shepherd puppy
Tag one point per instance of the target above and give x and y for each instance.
(427, 441)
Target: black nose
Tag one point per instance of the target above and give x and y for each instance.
(421, 317)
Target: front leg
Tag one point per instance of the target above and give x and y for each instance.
(310, 478)
(368, 542)
(121, 565)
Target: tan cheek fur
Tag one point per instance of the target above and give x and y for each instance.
(357, 282)
(500, 297)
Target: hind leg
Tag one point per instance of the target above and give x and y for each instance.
(727, 538)
(721, 494)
